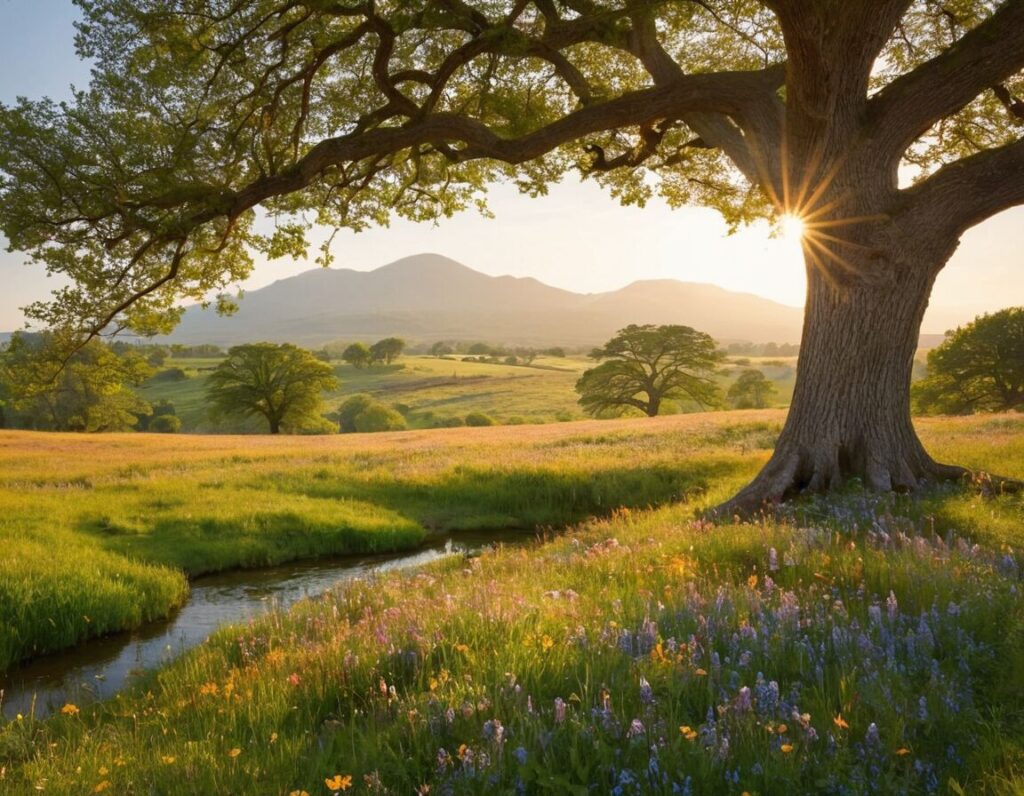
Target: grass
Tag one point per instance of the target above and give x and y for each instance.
(433, 390)
(100, 532)
(864, 644)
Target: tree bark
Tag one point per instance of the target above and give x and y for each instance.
(850, 414)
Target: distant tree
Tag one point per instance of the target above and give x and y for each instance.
(479, 419)
(751, 390)
(279, 382)
(977, 368)
(91, 391)
(161, 408)
(441, 349)
(199, 351)
(556, 351)
(378, 417)
(357, 355)
(526, 355)
(156, 357)
(387, 350)
(479, 349)
(322, 354)
(647, 364)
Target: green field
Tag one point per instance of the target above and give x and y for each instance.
(432, 389)
(872, 643)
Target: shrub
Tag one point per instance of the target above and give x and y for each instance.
(379, 418)
(170, 374)
(449, 422)
(350, 410)
(165, 424)
(479, 419)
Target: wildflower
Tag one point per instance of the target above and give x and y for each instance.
(69, 710)
(294, 678)
(167, 759)
(773, 560)
(298, 793)
(781, 729)
(339, 782)
(636, 728)
(700, 672)
(273, 737)
(743, 700)
(752, 581)
(688, 733)
(461, 648)
(520, 755)
(646, 692)
(786, 748)
(559, 710)
(871, 737)
(547, 642)
(902, 751)
(840, 722)
(235, 752)
(104, 771)
(922, 709)
(101, 786)
(208, 689)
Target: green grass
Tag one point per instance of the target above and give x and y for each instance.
(895, 643)
(124, 518)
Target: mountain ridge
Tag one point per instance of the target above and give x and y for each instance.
(428, 297)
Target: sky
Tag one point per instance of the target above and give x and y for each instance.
(576, 238)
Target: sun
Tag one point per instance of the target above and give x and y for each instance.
(792, 227)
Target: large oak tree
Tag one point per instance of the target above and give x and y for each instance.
(144, 190)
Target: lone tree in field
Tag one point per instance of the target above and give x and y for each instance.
(977, 368)
(357, 355)
(387, 350)
(645, 365)
(751, 390)
(144, 190)
(280, 383)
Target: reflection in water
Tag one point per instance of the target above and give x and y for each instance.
(100, 668)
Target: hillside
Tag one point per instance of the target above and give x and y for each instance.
(429, 297)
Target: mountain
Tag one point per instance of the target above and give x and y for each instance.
(429, 297)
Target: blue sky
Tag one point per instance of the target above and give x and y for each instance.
(576, 238)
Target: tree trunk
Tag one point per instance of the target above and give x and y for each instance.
(850, 414)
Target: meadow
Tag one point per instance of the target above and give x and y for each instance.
(433, 390)
(864, 644)
(101, 532)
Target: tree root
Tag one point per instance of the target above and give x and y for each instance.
(788, 475)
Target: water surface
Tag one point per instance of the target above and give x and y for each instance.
(100, 668)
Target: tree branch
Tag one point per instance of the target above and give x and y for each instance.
(983, 57)
(967, 192)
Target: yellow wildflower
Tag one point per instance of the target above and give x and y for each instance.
(902, 751)
(167, 759)
(69, 710)
(547, 642)
(234, 752)
(339, 782)
(101, 786)
(786, 748)
(840, 722)
(752, 581)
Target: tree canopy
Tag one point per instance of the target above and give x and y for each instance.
(977, 368)
(751, 390)
(92, 391)
(357, 355)
(646, 365)
(280, 383)
(387, 350)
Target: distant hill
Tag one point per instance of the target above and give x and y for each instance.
(428, 297)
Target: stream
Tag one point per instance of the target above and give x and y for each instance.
(99, 668)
